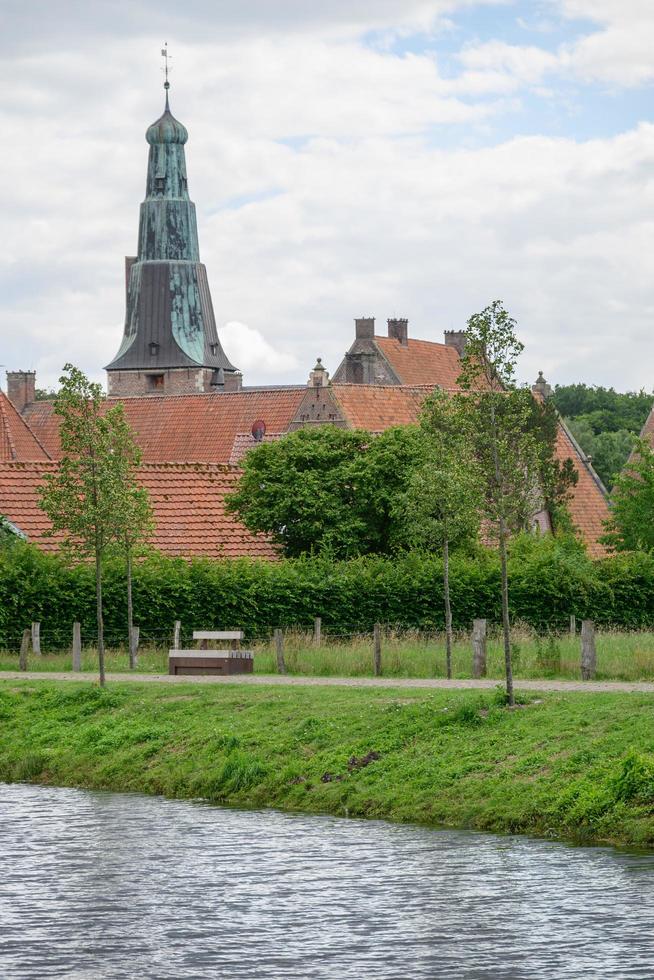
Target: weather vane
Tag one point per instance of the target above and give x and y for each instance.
(166, 68)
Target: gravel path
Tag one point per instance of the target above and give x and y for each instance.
(589, 687)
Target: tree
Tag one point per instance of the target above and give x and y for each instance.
(326, 490)
(441, 505)
(513, 449)
(631, 524)
(608, 451)
(135, 522)
(86, 497)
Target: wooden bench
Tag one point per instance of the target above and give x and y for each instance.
(205, 661)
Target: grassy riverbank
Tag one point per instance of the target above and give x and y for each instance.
(573, 766)
(621, 655)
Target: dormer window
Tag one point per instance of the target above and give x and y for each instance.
(214, 349)
(184, 183)
(154, 349)
(160, 184)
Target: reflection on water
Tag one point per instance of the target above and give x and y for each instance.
(106, 885)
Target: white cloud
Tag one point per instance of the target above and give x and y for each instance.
(323, 193)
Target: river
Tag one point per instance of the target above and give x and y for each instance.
(109, 885)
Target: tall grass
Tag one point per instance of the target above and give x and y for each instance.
(625, 656)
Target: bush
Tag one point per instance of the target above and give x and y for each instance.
(549, 579)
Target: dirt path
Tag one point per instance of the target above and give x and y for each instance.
(589, 687)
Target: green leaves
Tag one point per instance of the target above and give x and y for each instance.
(631, 525)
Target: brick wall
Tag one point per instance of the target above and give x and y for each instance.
(176, 381)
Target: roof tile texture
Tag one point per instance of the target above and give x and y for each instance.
(422, 362)
(188, 501)
(17, 441)
(186, 428)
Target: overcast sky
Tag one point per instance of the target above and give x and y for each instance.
(414, 158)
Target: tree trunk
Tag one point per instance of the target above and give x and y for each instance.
(448, 607)
(130, 613)
(505, 616)
(508, 666)
(100, 620)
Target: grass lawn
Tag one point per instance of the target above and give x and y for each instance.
(620, 656)
(572, 766)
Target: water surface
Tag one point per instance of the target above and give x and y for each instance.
(107, 885)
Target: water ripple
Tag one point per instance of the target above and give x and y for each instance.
(107, 885)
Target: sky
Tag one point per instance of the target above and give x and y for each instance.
(387, 158)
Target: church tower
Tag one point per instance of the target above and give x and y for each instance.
(170, 344)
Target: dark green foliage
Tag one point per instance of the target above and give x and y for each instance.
(550, 578)
(604, 422)
(631, 524)
(604, 409)
(326, 490)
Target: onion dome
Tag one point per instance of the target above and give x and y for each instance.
(166, 129)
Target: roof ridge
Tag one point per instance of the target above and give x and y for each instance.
(6, 429)
(5, 401)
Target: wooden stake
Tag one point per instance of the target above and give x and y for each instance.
(77, 646)
(24, 648)
(177, 634)
(36, 639)
(479, 627)
(573, 625)
(279, 650)
(134, 645)
(377, 650)
(588, 653)
(317, 625)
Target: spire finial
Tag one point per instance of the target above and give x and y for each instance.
(166, 68)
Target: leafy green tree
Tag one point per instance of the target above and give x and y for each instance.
(605, 409)
(440, 508)
(631, 524)
(513, 437)
(135, 522)
(326, 490)
(608, 451)
(87, 496)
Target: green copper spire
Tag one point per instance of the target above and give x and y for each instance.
(170, 321)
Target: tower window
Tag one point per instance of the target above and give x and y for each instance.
(159, 183)
(155, 382)
(214, 349)
(154, 349)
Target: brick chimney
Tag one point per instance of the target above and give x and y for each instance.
(399, 330)
(364, 328)
(21, 386)
(455, 338)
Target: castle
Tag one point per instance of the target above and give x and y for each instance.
(193, 416)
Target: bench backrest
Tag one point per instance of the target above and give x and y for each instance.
(217, 634)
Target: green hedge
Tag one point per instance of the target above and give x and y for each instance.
(549, 580)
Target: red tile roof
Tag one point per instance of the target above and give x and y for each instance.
(422, 362)
(588, 505)
(647, 432)
(379, 407)
(185, 428)
(17, 441)
(188, 502)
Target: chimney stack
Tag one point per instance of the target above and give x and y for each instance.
(457, 339)
(399, 330)
(365, 328)
(21, 388)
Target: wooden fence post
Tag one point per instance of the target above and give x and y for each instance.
(479, 647)
(177, 634)
(134, 646)
(588, 653)
(24, 647)
(77, 646)
(377, 650)
(317, 626)
(279, 650)
(36, 639)
(573, 625)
